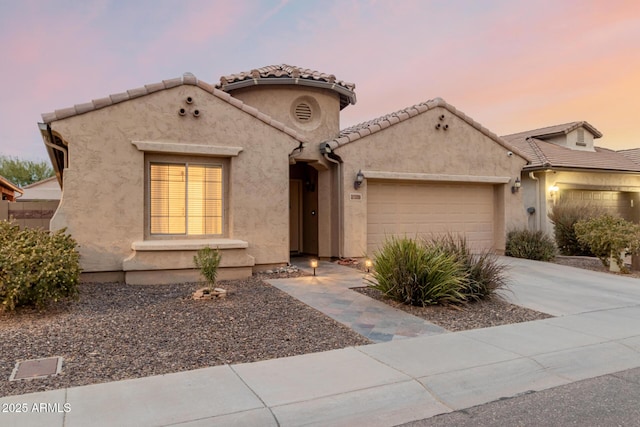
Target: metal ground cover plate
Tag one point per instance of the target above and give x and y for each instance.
(36, 368)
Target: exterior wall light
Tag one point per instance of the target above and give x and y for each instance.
(314, 265)
(516, 186)
(553, 193)
(359, 178)
(368, 263)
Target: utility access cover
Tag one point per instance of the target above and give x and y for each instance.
(36, 368)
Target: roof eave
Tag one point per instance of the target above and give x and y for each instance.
(56, 162)
(5, 182)
(346, 96)
(595, 132)
(534, 168)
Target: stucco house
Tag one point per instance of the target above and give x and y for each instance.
(564, 164)
(47, 189)
(258, 167)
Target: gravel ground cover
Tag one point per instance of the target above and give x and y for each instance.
(590, 263)
(117, 331)
(480, 314)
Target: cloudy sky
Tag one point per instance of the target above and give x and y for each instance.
(512, 65)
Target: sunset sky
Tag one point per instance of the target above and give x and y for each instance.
(511, 65)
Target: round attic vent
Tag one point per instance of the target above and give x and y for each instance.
(303, 112)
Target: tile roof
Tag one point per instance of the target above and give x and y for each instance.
(546, 155)
(549, 131)
(289, 74)
(632, 154)
(186, 79)
(361, 130)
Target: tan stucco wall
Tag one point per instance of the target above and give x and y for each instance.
(415, 146)
(564, 180)
(279, 101)
(103, 203)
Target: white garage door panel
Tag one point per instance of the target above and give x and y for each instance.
(423, 210)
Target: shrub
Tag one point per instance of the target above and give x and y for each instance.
(530, 245)
(208, 261)
(36, 266)
(564, 216)
(484, 272)
(609, 236)
(415, 274)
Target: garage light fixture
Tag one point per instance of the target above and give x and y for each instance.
(516, 186)
(359, 178)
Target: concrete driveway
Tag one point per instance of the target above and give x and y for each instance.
(561, 290)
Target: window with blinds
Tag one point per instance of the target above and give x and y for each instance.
(185, 198)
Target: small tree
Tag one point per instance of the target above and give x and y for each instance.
(564, 216)
(24, 172)
(208, 261)
(608, 237)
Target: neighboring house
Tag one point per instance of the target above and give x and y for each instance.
(565, 165)
(35, 208)
(46, 190)
(8, 189)
(258, 167)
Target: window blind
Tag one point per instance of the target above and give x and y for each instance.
(185, 199)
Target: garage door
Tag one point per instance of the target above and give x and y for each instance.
(614, 202)
(425, 210)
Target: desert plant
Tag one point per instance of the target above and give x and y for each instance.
(36, 266)
(208, 261)
(529, 244)
(609, 236)
(564, 215)
(485, 273)
(415, 274)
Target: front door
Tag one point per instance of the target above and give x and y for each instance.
(303, 209)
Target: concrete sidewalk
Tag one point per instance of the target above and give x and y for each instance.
(597, 332)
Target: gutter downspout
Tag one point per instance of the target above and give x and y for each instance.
(326, 151)
(538, 219)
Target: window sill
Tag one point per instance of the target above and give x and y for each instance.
(188, 245)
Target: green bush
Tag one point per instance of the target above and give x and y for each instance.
(609, 236)
(208, 261)
(36, 266)
(485, 274)
(564, 215)
(415, 274)
(530, 245)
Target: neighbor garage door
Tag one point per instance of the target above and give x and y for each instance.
(614, 202)
(408, 209)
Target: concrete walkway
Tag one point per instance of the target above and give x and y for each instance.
(597, 332)
(330, 293)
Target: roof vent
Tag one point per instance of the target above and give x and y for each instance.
(303, 112)
(581, 137)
